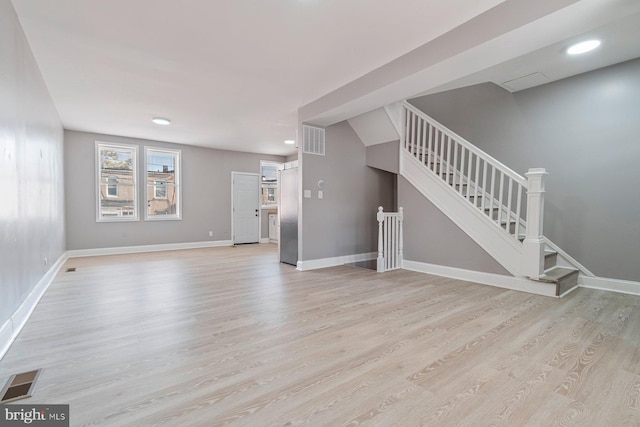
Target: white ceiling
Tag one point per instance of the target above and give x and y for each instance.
(233, 74)
(229, 74)
(620, 42)
(509, 41)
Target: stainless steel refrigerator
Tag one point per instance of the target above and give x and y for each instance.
(288, 213)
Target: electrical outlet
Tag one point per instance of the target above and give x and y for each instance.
(211, 234)
(46, 261)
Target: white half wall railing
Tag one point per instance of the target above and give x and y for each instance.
(497, 192)
(389, 240)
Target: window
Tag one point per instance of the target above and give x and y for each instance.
(116, 194)
(112, 186)
(162, 186)
(160, 189)
(269, 183)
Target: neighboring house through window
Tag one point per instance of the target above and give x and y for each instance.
(112, 186)
(116, 192)
(162, 186)
(160, 189)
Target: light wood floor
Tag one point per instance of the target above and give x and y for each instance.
(227, 336)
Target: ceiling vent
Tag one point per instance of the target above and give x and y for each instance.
(313, 140)
(526, 82)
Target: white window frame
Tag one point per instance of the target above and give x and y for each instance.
(178, 185)
(134, 148)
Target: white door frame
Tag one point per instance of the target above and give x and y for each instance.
(233, 176)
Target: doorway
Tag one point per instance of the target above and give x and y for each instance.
(245, 205)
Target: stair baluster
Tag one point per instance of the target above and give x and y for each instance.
(390, 252)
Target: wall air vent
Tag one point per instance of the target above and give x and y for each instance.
(313, 140)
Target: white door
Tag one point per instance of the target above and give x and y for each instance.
(246, 207)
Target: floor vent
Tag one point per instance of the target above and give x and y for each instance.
(20, 386)
(70, 270)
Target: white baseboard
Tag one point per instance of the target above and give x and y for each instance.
(265, 240)
(313, 264)
(147, 248)
(12, 327)
(491, 279)
(613, 285)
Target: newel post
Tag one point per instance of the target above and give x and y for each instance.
(533, 245)
(380, 263)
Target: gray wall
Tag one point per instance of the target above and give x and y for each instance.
(31, 164)
(384, 156)
(585, 131)
(431, 237)
(206, 195)
(343, 222)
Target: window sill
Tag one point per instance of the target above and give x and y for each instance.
(118, 219)
(163, 218)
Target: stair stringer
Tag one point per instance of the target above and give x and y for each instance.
(500, 245)
(566, 260)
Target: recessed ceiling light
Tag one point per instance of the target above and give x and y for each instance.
(289, 141)
(583, 47)
(161, 121)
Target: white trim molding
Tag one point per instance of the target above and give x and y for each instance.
(265, 240)
(498, 280)
(613, 285)
(147, 248)
(314, 264)
(12, 327)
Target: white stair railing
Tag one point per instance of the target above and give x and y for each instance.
(495, 190)
(389, 240)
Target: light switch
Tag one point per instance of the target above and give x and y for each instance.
(307, 194)
(320, 194)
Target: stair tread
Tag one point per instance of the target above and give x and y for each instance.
(555, 274)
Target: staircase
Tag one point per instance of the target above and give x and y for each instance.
(498, 208)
